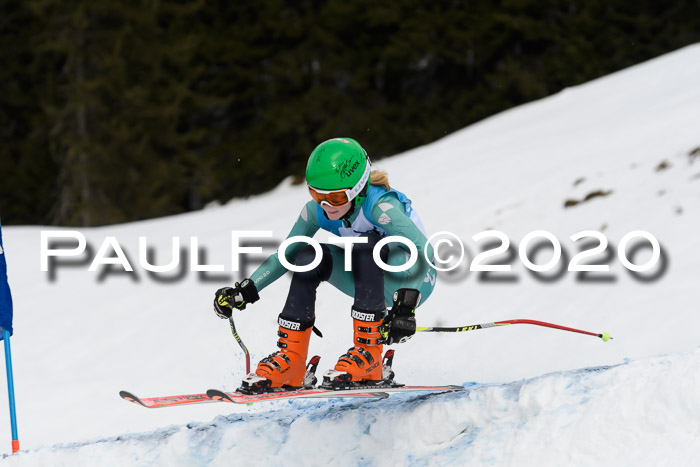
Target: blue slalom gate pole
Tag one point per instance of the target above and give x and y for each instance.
(11, 390)
(6, 328)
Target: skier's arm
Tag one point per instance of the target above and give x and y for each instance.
(271, 269)
(389, 213)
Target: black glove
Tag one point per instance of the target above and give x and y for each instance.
(228, 298)
(400, 323)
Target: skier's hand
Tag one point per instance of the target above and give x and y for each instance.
(398, 329)
(228, 298)
(400, 323)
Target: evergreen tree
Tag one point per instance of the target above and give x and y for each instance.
(115, 111)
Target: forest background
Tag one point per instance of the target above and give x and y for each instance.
(114, 111)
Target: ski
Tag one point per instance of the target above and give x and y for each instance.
(166, 401)
(216, 395)
(188, 399)
(330, 388)
(239, 398)
(376, 392)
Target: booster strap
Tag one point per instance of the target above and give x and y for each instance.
(293, 324)
(367, 316)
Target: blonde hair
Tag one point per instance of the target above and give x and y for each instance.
(379, 178)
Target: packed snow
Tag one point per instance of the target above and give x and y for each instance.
(622, 152)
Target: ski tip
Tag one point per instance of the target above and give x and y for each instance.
(127, 396)
(217, 395)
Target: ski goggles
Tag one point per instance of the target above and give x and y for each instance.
(340, 197)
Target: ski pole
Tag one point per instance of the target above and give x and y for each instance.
(240, 342)
(473, 327)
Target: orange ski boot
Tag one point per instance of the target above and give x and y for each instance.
(286, 368)
(362, 363)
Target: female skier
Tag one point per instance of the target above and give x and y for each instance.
(348, 200)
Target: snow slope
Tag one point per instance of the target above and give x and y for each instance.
(80, 338)
(579, 417)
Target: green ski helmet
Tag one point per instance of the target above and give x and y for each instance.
(338, 172)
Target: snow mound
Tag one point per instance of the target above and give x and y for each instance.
(644, 412)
